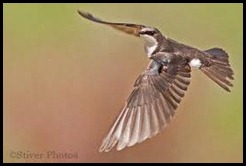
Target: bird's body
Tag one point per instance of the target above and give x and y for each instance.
(160, 88)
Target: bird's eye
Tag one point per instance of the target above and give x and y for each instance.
(150, 33)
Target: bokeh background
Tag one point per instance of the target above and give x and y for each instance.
(65, 80)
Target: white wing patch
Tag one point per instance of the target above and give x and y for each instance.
(196, 63)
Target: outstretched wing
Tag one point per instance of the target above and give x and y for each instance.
(132, 29)
(150, 106)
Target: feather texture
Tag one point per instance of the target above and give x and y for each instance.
(149, 108)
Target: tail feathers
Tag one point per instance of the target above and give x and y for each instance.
(218, 52)
(219, 69)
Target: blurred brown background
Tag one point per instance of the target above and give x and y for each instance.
(65, 80)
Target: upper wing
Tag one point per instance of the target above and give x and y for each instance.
(150, 106)
(132, 29)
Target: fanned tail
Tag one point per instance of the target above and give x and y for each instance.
(219, 70)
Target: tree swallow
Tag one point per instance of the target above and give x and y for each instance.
(159, 89)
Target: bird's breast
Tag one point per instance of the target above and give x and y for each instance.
(150, 49)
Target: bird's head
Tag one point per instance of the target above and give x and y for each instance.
(150, 35)
(150, 31)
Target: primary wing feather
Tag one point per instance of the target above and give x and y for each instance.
(132, 29)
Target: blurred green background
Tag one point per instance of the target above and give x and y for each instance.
(65, 80)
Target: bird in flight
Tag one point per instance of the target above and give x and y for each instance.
(159, 89)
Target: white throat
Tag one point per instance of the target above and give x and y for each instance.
(150, 44)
